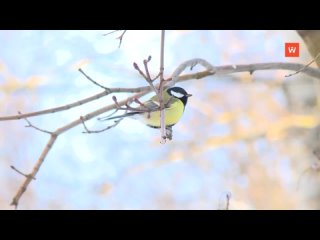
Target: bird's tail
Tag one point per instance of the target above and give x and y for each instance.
(117, 117)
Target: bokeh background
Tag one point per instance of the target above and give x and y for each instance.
(248, 136)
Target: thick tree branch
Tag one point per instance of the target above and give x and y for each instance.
(219, 70)
(75, 104)
(222, 70)
(190, 63)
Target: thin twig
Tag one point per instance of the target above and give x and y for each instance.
(101, 130)
(156, 77)
(307, 65)
(140, 103)
(120, 37)
(32, 126)
(145, 63)
(146, 75)
(228, 197)
(128, 107)
(114, 98)
(21, 173)
(109, 115)
(110, 32)
(160, 95)
(136, 67)
(93, 81)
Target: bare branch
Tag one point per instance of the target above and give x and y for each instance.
(101, 130)
(110, 32)
(160, 95)
(121, 37)
(31, 176)
(94, 82)
(191, 63)
(222, 70)
(147, 75)
(145, 63)
(228, 197)
(75, 104)
(59, 131)
(32, 126)
(21, 173)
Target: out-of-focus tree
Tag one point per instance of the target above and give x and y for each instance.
(251, 138)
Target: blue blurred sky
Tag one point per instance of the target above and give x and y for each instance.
(81, 168)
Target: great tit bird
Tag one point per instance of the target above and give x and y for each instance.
(175, 101)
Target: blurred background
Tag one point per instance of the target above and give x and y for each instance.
(251, 137)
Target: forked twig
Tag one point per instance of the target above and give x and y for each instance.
(120, 37)
(32, 126)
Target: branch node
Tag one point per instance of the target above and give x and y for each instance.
(21, 173)
(32, 126)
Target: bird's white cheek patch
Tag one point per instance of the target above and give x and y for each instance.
(177, 94)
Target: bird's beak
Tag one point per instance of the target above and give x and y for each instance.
(188, 95)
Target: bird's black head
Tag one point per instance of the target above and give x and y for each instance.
(180, 93)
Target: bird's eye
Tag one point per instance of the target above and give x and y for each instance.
(177, 94)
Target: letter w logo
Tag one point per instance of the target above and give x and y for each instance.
(292, 50)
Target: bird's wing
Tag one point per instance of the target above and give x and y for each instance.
(154, 105)
(151, 105)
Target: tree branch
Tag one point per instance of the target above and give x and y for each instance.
(219, 70)
(222, 70)
(75, 104)
(54, 136)
(307, 65)
(190, 63)
(93, 81)
(160, 95)
(120, 37)
(101, 130)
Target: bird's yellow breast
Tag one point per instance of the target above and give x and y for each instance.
(172, 115)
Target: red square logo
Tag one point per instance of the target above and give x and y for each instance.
(292, 50)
